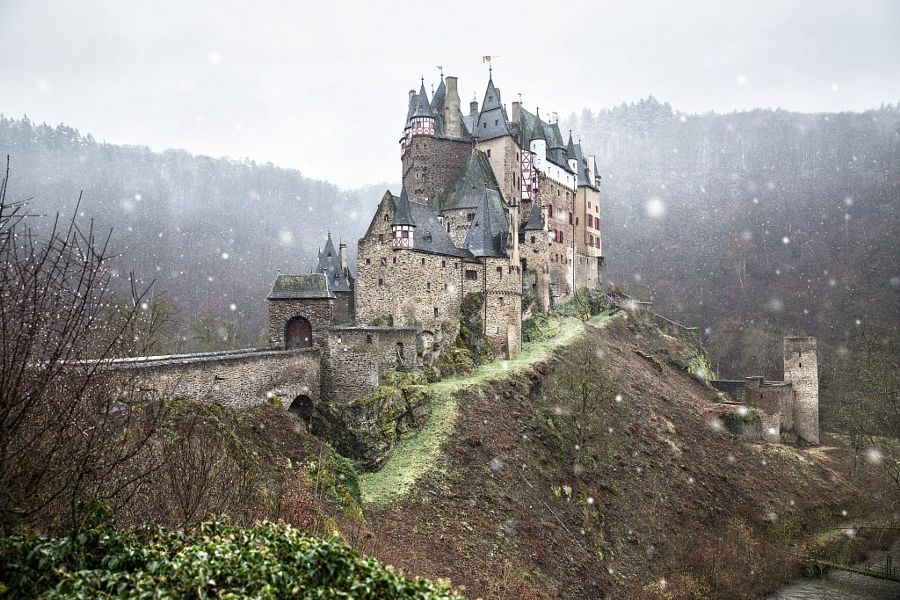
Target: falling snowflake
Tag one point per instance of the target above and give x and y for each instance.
(874, 455)
(496, 464)
(655, 208)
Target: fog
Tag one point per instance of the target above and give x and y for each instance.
(321, 87)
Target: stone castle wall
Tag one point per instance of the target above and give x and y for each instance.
(239, 380)
(414, 288)
(355, 357)
(343, 308)
(431, 165)
(560, 255)
(503, 154)
(503, 305)
(587, 272)
(801, 369)
(319, 312)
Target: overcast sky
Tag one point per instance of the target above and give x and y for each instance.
(322, 86)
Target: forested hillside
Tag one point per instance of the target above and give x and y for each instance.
(212, 233)
(754, 225)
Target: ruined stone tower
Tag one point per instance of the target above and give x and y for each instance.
(801, 369)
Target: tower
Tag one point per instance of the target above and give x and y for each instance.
(801, 369)
(423, 116)
(402, 227)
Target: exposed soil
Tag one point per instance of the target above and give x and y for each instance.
(672, 499)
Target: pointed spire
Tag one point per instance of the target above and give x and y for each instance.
(403, 216)
(538, 133)
(570, 147)
(423, 107)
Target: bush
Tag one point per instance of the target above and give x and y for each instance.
(695, 363)
(211, 560)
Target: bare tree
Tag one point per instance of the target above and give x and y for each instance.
(67, 434)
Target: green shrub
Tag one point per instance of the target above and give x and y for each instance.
(695, 363)
(210, 560)
(734, 423)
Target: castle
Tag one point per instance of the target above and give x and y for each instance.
(493, 203)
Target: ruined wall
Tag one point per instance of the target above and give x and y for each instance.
(431, 165)
(239, 379)
(355, 357)
(801, 369)
(319, 311)
(587, 272)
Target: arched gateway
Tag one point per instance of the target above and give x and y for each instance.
(297, 333)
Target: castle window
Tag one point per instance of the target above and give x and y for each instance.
(428, 286)
(571, 221)
(380, 237)
(470, 216)
(471, 274)
(525, 263)
(386, 218)
(443, 263)
(435, 311)
(496, 121)
(368, 261)
(369, 338)
(395, 260)
(380, 281)
(423, 261)
(576, 220)
(532, 239)
(446, 287)
(383, 261)
(489, 152)
(500, 273)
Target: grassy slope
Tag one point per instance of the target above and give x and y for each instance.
(418, 453)
(474, 497)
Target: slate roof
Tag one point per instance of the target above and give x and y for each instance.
(430, 235)
(490, 227)
(330, 266)
(535, 219)
(570, 147)
(423, 107)
(532, 128)
(584, 173)
(474, 177)
(403, 214)
(289, 287)
(554, 137)
(492, 120)
(437, 103)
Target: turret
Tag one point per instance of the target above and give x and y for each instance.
(403, 226)
(571, 155)
(423, 116)
(342, 251)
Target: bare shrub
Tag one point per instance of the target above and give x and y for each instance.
(67, 436)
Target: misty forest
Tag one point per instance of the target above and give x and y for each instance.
(229, 378)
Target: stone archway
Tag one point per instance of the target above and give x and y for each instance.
(302, 407)
(297, 333)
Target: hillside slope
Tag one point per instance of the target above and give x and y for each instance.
(661, 498)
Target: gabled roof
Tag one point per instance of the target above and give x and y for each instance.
(532, 128)
(403, 214)
(430, 235)
(330, 266)
(535, 219)
(584, 173)
(487, 235)
(289, 287)
(492, 120)
(423, 106)
(554, 136)
(475, 175)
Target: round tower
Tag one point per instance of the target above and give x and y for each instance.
(802, 370)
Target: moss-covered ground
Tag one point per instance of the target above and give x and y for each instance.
(418, 452)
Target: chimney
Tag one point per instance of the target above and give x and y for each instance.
(452, 113)
(473, 107)
(555, 117)
(412, 94)
(342, 252)
(516, 112)
(590, 165)
(498, 95)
